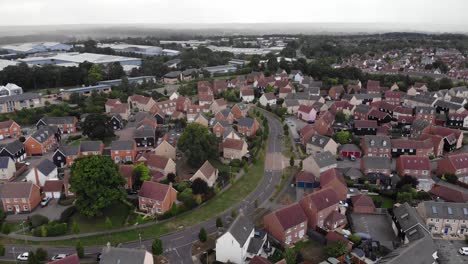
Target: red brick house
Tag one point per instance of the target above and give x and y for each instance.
(336, 92)
(42, 141)
(416, 166)
(155, 198)
(318, 206)
(362, 204)
(288, 225)
(334, 179)
(393, 97)
(20, 197)
(225, 115)
(239, 110)
(456, 164)
(182, 104)
(373, 87)
(247, 126)
(127, 172)
(10, 129)
(335, 220)
(324, 124)
(376, 146)
(123, 151)
(422, 148)
(219, 127)
(306, 133)
(449, 193)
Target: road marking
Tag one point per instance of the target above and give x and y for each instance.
(177, 238)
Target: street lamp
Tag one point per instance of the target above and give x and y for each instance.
(139, 236)
(14, 255)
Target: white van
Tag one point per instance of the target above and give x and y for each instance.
(463, 251)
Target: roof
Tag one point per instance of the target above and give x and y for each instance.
(323, 159)
(376, 162)
(53, 186)
(362, 200)
(290, 216)
(207, 169)
(350, 148)
(19, 97)
(16, 189)
(43, 133)
(113, 255)
(450, 193)
(140, 99)
(91, 146)
(144, 133)
(377, 141)
(459, 161)
(69, 150)
(4, 162)
(154, 190)
(445, 210)
(241, 229)
(122, 145)
(58, 120)
(269, 96)
(13, 147)
(319, 140)
(305, 108)
(6, 124)
(126, 170)
(246, 122)
(231, 143)
(323, 198)
(157, 161)
(411, 144)
(366, 124)
(46, 167)
(304, 176)
(410, 162)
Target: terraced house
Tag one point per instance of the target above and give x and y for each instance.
(66, 124)
(444, 218)
(10, 129)
(42, 141)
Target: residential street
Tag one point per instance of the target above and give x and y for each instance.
(177, 246)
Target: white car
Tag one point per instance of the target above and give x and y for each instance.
(45, 201)
(59, 256)
(23, 257)
(463, 251)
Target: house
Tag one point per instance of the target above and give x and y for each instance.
(445, 107)
(225, 115)
(307, 113)
(291, 105)
(324, 124)
(219, 86)
(365, 127)
(422, 148)
(287, 225)
(452, 138)
(371, 164)
(20, 197)
(202, 119)
(334, 179)
(336, 92)
(393, 97)
(296, 76)
(362, 204)
(348, 150)
(305, 179)
(443, 218)
(458, 120)
(318, 206)
(113, 255)
(306, 133)
(10, 129)
(70, 259)
(65, 155)
(88, 148)
(361, 112)
(319, 162)
(234, 149)
(145, 137)
(123, 150)
(160, 163)
(247, 94)
(239, 110)
(219, 127)
(218, 105)
(373, 87)
(247, 126)
(15, 150)
(45, 170)
(42, 141)
(319, 143)
(418, 167)
(449, 192)
(426, 113)
(156, 198)
(240, 242)
(66, 124)
(166, 149)
(117, 122)
(127, 172)
(229, 132)
(140, 103)
(207, 173)
(53, 188)
(172, 77)
(376, 146)
(7, 169)
(456, 164)
(14, 102)
(381, 117)
(267, 99)
(205, 99)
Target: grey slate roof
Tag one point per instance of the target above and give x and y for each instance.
(240, 229)
(19, 97)
(13, 147)
(255, 244)
(69, 150)
(245, 122)
(449, 105)
(144, 133)
(324, 159)
(457, 100)
(427, 110)
(362, 109)
(46, 167)
(43, 133)
(172, 74)
(57, 120)
(422, 99)
(377, 141)
(319, 140)
(122, 145)
(113, 255)
(446, 210)
(90, 146)
(4, 162)
(291, 102)
(377, 162)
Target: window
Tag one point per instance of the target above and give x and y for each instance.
(9, 208)
(25, 208)
(59, 158)
(23, 200)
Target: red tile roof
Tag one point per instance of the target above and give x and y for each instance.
(207, 169)
(140, 99)
(233, 143)
(6, 124)
(411, 144)
(154, 190)
(305, 108)
(410, 162)
(449, 194)
(126, 170)
(53, 186)
(362, 200)
(459, 161)
(304, 176)
(366, 124)
(290, 216)
(157, 161)
(323, 198)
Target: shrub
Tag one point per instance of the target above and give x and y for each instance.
(2, 250)
(355, 238)
(157, 247)
(38, 220)
(6, 229)
(2, 215)
(51, 229)
(67, 214)
(41, 254)
(79, 250)
(202, 235)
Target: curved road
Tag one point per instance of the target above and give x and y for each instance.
(177, 246)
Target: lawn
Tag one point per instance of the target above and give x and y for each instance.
(311, 251)
(117, 214)
(220, 203)
(384, 201)
(224, 167)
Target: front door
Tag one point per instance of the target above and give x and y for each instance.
(17, 209)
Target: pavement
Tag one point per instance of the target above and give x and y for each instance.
(178, 245)
(448, 251)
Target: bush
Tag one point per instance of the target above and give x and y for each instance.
(2, 215)
(66, 201)
(6, 229)
(51, 229)
(67, 214)
(41, 254)
(2, 250)
(355, 239)
(79, 250)
(157, 247)
(202, 235)
(37, 220)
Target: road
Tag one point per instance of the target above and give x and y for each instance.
(177, 246)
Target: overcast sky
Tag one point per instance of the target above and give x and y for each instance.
(50, 12)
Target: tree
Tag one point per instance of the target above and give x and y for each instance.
(98, 127)
(291, 161)
(200, 186)
(407, 180)
(290, 255)
(354, 238)
(97, 183)
(202, 236)
(340, 117)
(343, 137)
(451, 178)
(157, 247)
(403, 197)
(75, 228)
(141, 173)
(79, 250)
(115, 71)
(219, 222)
(186, 197)
(171, 177)
(41, 254)
(95, 74)
(336, 249)
(108, 223)
(32, 258)
(198, 144)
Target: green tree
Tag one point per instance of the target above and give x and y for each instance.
(108, 223)
(290, 255)
(219, 222)
(32, 258)
(198, 144)
(340, 117)
(202, 236)
(79, 249)
(291, 161)
(2, 250)
(451, 178)
(403, 197)
(343, 137)
(354, 238)
(115, 71)
(95, 74)
(157, 247)
(141, 173)
(336, 249)
(75, 227)
(98, 127)
(41, 254)
(97, 183)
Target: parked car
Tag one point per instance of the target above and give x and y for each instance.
(23, 257)
(463, 251)
(45, 201)
(352, 158)
(59, 256)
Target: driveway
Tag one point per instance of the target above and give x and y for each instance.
(448, 251)
(52, 211)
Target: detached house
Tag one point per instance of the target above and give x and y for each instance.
(307, 113)
(20, 197)
(166, 149)
(207, 173)
(225, 115)
(161, 164)
(155, 198)
(267, 99)
(239, 110)
(247, 126)
(123, 151)
(44, 171)
(218, 105)
(66, 124)
(9, 129)
(318, 206)
(319, 162)
(42, 141)
(319, 143)
(418, 167)
(456, 164)
(247, 94)
(287, 225)
(234, 149)
(88, 148)
(7, 169)
(140, 103)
